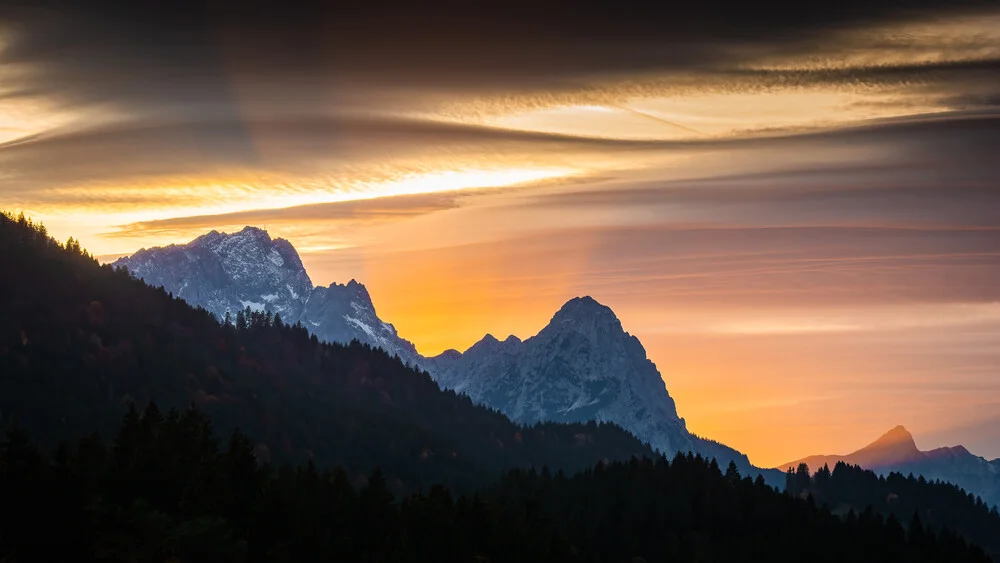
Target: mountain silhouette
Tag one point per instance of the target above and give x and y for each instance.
(896, 451)
(892, 448)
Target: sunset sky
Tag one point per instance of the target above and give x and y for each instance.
(797, 212)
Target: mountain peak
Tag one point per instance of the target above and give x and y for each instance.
(584, 309)
(252, 236)
(354, 289)
(246, 238)
(894, 447)
(898, 435)
(486, 345)
(583, 303)
(245, 233)
(228, 272)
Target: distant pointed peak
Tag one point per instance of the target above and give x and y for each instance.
(898, 439)
(512, 340)
(896, 434)
(487, 343)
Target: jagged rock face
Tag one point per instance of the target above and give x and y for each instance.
(229, 272)
(475, 372)
(582, 366)
(340, 313)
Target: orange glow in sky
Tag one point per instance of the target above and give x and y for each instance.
(802, 234)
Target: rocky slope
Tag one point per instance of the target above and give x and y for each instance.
(582, 366)
(226, 273)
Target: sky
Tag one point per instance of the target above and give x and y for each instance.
(796, 210)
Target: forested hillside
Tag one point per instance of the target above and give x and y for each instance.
(936, 505)
(79, 342)
(165, 491)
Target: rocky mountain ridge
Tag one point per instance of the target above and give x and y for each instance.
(582, 366)
(226, 273)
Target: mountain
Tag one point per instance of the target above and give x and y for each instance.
(582, 366)
(80, 342)
(227, 273)
(896, 451)
(895, 447)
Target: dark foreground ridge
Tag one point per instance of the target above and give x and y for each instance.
(936, 504)
(164, 491)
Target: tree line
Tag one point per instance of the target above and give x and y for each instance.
(165, 490)
(934, 505)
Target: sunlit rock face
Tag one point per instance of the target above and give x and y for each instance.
(226, 273)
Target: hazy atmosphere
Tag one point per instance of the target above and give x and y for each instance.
(797, 213)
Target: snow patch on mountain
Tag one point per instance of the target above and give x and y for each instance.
(253, 305)
(275, 258)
